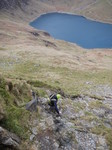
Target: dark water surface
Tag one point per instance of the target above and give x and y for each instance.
(76, 29)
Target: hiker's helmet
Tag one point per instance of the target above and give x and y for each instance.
(58, 96)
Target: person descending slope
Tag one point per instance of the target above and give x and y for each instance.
(53, 102)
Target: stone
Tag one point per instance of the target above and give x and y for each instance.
(34, 147)
(69, 124)
(34, 130)
(80, 114)
(109, 116)
(9, 139)
(42, 125)
(43, 100)
(49, 121)
(69, 112)
(102, 142)
(32, 137)
(56, 146)
(86, 140)
(99, 112)
(32, 105)
(10, 142)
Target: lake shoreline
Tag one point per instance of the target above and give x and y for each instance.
(70, 13)
(86, 32)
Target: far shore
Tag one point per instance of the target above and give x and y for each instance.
(70, 13)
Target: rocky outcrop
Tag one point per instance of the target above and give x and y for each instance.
(72, 131)
(8, 139)
(58, 134)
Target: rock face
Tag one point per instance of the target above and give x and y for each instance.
(8, 139)
(72, 131)
(61, 135)
(32, 105)
(12, 4)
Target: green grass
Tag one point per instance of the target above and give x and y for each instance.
(74, 82)
(95, 104)
(16, 120)
(71, 81)
(41, 92)
(96, 97)
(91, 117)
(14, 117)
(78, 106)
(104, 131)
(2, 49)
(4, 95)
(39, 84)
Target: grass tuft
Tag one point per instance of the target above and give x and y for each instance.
(104, 131)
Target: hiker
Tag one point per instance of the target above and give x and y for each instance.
(53, 102)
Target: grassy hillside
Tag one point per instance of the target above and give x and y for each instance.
(26, 11)
(30, 54)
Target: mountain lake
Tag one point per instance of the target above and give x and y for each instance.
(75, 29)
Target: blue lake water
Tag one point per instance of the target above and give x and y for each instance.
(76, 29)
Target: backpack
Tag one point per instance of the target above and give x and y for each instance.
(51, 96)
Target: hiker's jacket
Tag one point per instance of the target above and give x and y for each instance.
(53, 101)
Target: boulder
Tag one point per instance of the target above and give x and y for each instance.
(49, 121)
(8, 139)
(32, 105)
(99, 112)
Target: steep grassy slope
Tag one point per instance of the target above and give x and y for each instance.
(32, 54)
(28, 53)
(27, 10)
(9, 4)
